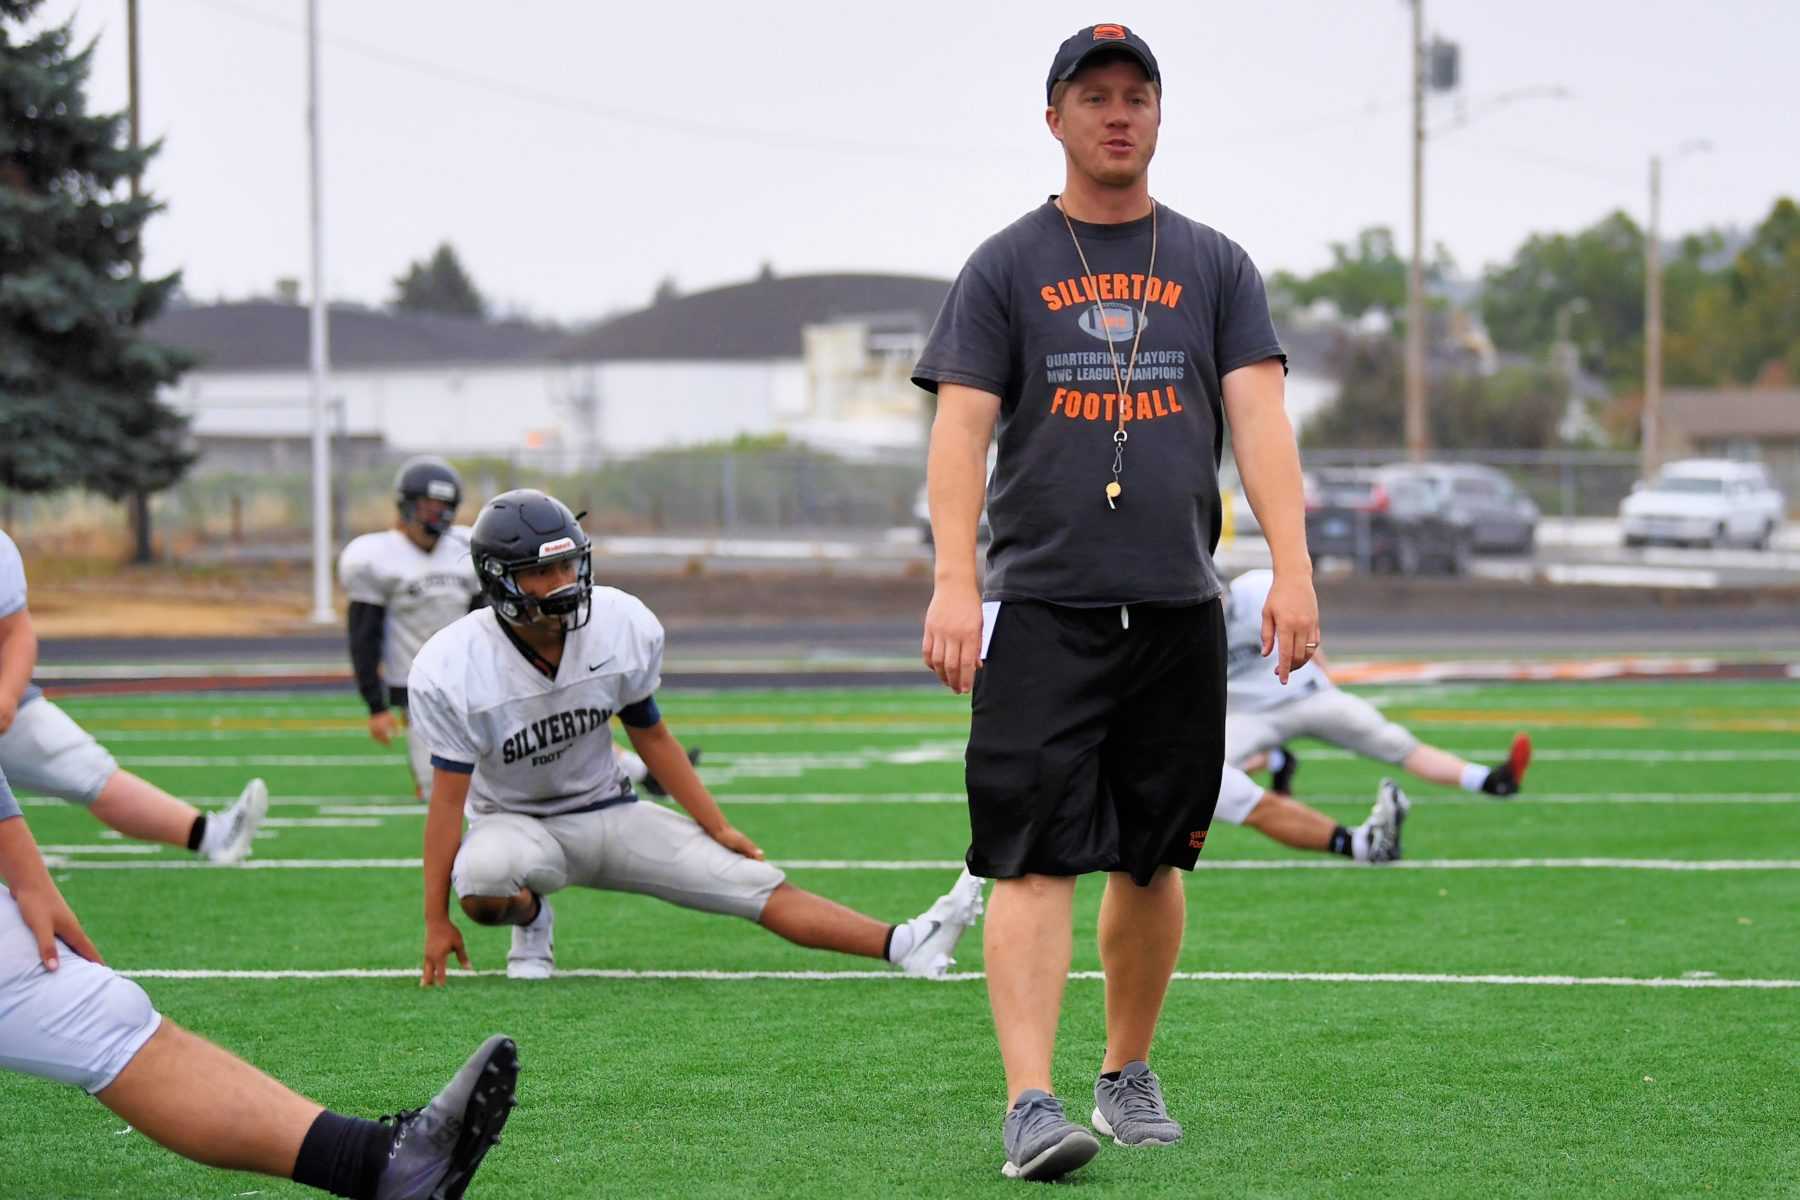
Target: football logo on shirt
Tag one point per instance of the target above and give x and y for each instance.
(535, 740)
(1111, 321)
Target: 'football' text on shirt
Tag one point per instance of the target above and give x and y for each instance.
(550, 731)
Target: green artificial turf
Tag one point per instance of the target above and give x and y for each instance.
(829, 1087)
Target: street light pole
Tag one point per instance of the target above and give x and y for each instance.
(319, 351)
(1415, 287)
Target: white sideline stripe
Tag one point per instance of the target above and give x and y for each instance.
(104, 848)
(1322, 863)
(329, 822)
(752, 763)
(374, 810)
(626, 975)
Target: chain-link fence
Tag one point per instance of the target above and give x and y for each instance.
(748, 490)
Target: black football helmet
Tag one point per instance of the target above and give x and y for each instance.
(526, 528)
(428, 477)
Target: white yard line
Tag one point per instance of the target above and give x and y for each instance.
(626, 975)
(1322, 863)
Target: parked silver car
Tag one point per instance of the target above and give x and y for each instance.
(1500, 517)
(1704, 502)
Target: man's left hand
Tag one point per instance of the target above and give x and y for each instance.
(1290, 624)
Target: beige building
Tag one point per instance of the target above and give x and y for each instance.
(1762, 424)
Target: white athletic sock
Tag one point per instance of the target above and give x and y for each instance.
(213, 836)
(905, 937)
(635, 770)
(1359, 843)
(1474, 776)
(1277, 759)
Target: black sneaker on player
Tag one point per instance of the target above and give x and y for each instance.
(1507, 778)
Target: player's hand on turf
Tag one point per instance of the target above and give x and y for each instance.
(383, 726)
(49, 917)
(735, 840)
(442, 938)
(952, 645)
(1290, 621)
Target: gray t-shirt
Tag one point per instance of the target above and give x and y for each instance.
(1020, 322)
(12, 594)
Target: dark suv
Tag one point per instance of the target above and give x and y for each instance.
(1390, 519)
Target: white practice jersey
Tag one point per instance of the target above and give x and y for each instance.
(1251, 684)
(12, 593)
(539, 746)
(421, 591)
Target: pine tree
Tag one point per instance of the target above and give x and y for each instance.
(439, 285)
(78, 383)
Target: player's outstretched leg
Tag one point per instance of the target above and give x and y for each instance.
(206, 1104)
(139, 809)
(920, 947)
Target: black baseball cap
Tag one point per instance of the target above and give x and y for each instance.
(1099, 39)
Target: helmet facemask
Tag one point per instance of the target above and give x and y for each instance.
(572, 603)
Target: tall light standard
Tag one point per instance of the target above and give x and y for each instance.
(1650, 432)
(1434, 67)
(319, 352)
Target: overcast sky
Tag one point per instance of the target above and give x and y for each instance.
(576, 153)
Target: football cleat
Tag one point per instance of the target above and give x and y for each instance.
(941, 926)
(436, 1149)
(657, 789)
(1041, 1142)
(1385, 819)
(1283, 780)
(533, 953)
(1507, 778)
(238, 823)
(1130, 1109)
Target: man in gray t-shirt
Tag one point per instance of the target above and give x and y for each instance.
(1105, 340)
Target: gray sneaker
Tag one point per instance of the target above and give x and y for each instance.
(1385, 820)
(437, 1148)
(1130, 1109)
(1041, 1142)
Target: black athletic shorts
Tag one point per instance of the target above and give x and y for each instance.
(1097, 740)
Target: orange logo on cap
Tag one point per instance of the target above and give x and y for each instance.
(1109, 33)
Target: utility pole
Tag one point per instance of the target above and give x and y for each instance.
(1651, 431)
(140, 501)
(1650, 427)
(1415, 286)
(319, 351)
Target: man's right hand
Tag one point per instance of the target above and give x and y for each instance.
(952, 645)
(441, 938)
(9, 709)
(383, 726)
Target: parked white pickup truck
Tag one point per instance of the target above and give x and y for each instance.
(1704, 502)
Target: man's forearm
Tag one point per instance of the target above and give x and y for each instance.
(955, 485)
(367, 623)
(1269, 462)
(667, 762)
(18, 658)
(21, 865)
(443, 835)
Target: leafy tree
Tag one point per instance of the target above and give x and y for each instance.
(1515, 408)
(439, 285)
(1745, 317)
(1364, 275)
(79, 384)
